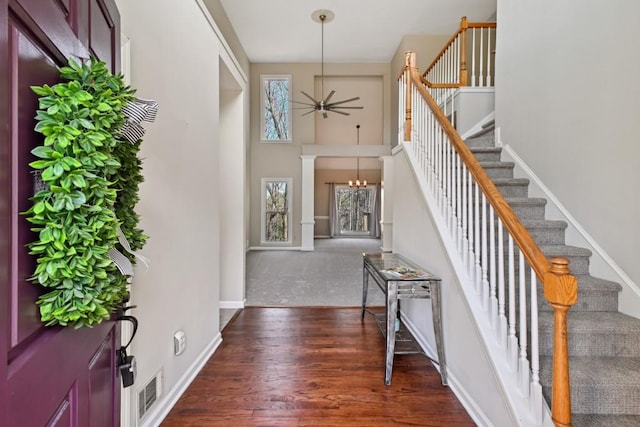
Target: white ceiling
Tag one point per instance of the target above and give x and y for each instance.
(362, 31)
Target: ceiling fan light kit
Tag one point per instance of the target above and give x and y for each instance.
(324, 105)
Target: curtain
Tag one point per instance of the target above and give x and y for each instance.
(376, 212)
(333, 216)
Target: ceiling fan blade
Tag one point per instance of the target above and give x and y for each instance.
(309, 96)
(326, 100)
(302, 108)
(350, 108)
(340, 112)
(303, 103)
(308, 112)
(342, 102)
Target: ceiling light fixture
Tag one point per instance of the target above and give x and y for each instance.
(358, 184)
(323, 106)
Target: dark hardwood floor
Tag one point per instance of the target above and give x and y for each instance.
(312, 367)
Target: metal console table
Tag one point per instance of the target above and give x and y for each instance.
(400, 279)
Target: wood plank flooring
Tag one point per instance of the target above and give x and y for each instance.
(312, 367)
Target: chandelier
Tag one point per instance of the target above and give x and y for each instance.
(357, 184)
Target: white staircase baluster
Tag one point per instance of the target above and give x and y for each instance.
(492, 270)
(471, 230)
(512, 341)
(481, 60)
(484, 257)
(536, 388)
(465, 238)
(522, 293)
(501, 287)
(489, 83)
(476, 249)
(473, 57)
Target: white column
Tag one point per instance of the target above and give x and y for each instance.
(386, 222)
(308, 191)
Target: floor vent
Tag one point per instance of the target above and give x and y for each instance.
(148, 395)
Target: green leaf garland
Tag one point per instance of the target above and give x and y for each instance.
(76, 217)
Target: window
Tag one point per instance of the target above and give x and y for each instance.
(275, 118)
(276, 210)
(355, 210)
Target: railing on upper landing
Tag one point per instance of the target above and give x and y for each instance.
(503, 263)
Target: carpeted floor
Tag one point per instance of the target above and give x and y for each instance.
(329, 276)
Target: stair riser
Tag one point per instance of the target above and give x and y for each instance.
(487, 157)
(547, 236)
(511, 190)
(499, 172)
(587, 301)
(529, 211)
(591, 344)
(598, 400)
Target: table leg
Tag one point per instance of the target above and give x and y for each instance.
(434, 288)
(392, 313)
(365, 289)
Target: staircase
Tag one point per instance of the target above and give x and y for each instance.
(604, 344)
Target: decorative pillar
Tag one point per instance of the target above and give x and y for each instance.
(308, 192)
(386, 221)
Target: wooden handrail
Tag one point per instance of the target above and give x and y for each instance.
(560, 286)
(442, 52)
(462, 32)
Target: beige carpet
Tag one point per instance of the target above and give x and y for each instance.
(329, 276)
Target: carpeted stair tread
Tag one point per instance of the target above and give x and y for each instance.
(596, 420)
(599, 385)
(600, 334)
(564, 250)
(543, 223)
(594, 294)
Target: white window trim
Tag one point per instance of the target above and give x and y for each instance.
(263, 78)
(263, 210)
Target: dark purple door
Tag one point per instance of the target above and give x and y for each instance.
(48, 376)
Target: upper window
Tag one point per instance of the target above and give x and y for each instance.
(276, 118)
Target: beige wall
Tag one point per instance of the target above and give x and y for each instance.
(568, 103)
(180, 203)
(282, 160)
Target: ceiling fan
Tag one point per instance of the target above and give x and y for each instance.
(324, 105)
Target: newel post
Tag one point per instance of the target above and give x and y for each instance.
(561, 290)
(463, 51)
(409, 65)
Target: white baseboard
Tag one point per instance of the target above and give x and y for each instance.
(275, 248)
(232, 304)
(470, 405)
(159, 413)
(601, 264)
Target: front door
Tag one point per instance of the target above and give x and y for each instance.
(49, 376)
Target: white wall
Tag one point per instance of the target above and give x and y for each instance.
(179, 204)
(415, 236)
(568, 103)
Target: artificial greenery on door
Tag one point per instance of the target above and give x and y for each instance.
(91, 187)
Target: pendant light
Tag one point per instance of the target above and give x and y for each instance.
(358, 184)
